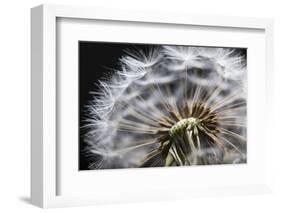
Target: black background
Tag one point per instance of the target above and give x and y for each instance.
(96, 61)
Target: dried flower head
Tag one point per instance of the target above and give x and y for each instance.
(171, 106)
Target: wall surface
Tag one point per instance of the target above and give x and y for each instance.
(15, 105)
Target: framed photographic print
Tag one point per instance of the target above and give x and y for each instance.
(131, 105)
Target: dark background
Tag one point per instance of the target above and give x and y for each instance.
(97, 61)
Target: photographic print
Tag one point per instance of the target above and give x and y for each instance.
(144, 105)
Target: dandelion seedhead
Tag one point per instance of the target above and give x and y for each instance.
(169, 106)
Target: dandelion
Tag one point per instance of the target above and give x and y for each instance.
(168, 107)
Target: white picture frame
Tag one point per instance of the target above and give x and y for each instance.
(44, 147)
